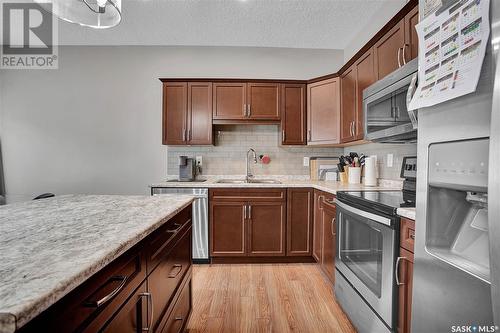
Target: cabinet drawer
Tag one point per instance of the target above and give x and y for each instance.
(271, 194)
(96, 300)
(166, 278)
(407, 235)
(164, 239)
(180, 313)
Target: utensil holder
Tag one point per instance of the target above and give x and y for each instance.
(343, 177)
(354, 175)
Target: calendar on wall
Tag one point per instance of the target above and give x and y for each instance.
(452, 46)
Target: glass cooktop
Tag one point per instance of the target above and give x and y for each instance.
(386, 202)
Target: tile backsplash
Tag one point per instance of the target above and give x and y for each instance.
(381, 150)
(227, 156)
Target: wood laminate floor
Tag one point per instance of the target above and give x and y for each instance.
(264, 298)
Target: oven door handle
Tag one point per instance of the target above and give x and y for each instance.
(339, 234)
(362, 213)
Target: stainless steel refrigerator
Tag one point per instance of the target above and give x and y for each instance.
(457, 245)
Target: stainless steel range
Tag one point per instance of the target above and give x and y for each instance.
(367, 243)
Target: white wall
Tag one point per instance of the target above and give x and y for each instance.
(378, 20)
(94, 125)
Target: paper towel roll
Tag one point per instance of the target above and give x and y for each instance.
(370, 171)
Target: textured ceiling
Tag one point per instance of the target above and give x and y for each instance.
(317, 24)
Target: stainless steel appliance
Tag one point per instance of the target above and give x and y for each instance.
(200, 218)
(456, 267)
(187, 169)
(387, 118)
(367, 244)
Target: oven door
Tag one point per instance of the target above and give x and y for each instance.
(365, 256)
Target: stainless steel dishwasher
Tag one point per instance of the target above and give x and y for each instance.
(200, 218)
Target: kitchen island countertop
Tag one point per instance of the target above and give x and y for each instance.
(51, 246)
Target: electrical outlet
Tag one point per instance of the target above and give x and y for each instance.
(390, 160)
(199, 160)
(306, 161)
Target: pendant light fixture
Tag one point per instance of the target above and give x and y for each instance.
(98, 14)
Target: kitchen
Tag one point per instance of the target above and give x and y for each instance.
(192, 179)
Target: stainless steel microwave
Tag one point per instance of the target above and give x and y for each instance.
(386, 114)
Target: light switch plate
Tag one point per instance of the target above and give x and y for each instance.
(199, 160)
(306, 161)
(390, 160)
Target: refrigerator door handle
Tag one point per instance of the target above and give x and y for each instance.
(409, 96)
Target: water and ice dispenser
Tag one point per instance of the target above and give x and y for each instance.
(457, 212)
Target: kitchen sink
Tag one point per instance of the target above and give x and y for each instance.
(252, 181)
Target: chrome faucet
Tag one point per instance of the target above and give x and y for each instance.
(249, 175)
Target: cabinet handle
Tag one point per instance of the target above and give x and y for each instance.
(177, 268)
(283, 135)
(320, 199)
(108, 297)
(412, 236)
(245, 212)
(150, 301)
(249, 212)
(399, 57)
(309, 134)
(331, 227)
(404, 53)
(175, 229)
(183, 134)
(398, 282)
(331, 202)
(249, 110)
(189, 135)
(244, 110)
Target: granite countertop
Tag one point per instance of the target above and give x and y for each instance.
(51, 246)
(409, 213)
(286, 181)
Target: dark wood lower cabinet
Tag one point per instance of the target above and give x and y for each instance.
(227, 229)
(404, 271)
(328, 212)
(266, 229)
(299, 222)
(135, 292)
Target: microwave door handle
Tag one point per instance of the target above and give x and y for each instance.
(409, 95)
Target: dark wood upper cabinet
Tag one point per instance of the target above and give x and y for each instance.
(293, 114)
(329, 242)
(227, 228)
(411, 37)
(266, 228)
(229, 101)
(187, 113)
(349, 105)
(365, 76)
(199, 113)
(174, 113)
(323, 112)
(299, 229)
(388, 51)
(263, 101)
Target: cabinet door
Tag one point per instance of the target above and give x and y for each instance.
(263, 101)
(299, 225)
(329, 247)
(174, 113)
(229, 100)
(365, 76)
(411, 37)
(266, 228)
(388, 51)
(348, 114)
(323, 112)
(199, 113)
(405, 289)
(318, 227)
(227, 229)
(293, 114)
(132, 317)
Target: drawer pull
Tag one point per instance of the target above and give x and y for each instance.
(108, 297)
(151, 304)
(176, 269)
(412, 236)
(177, 225)
(178, 318)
